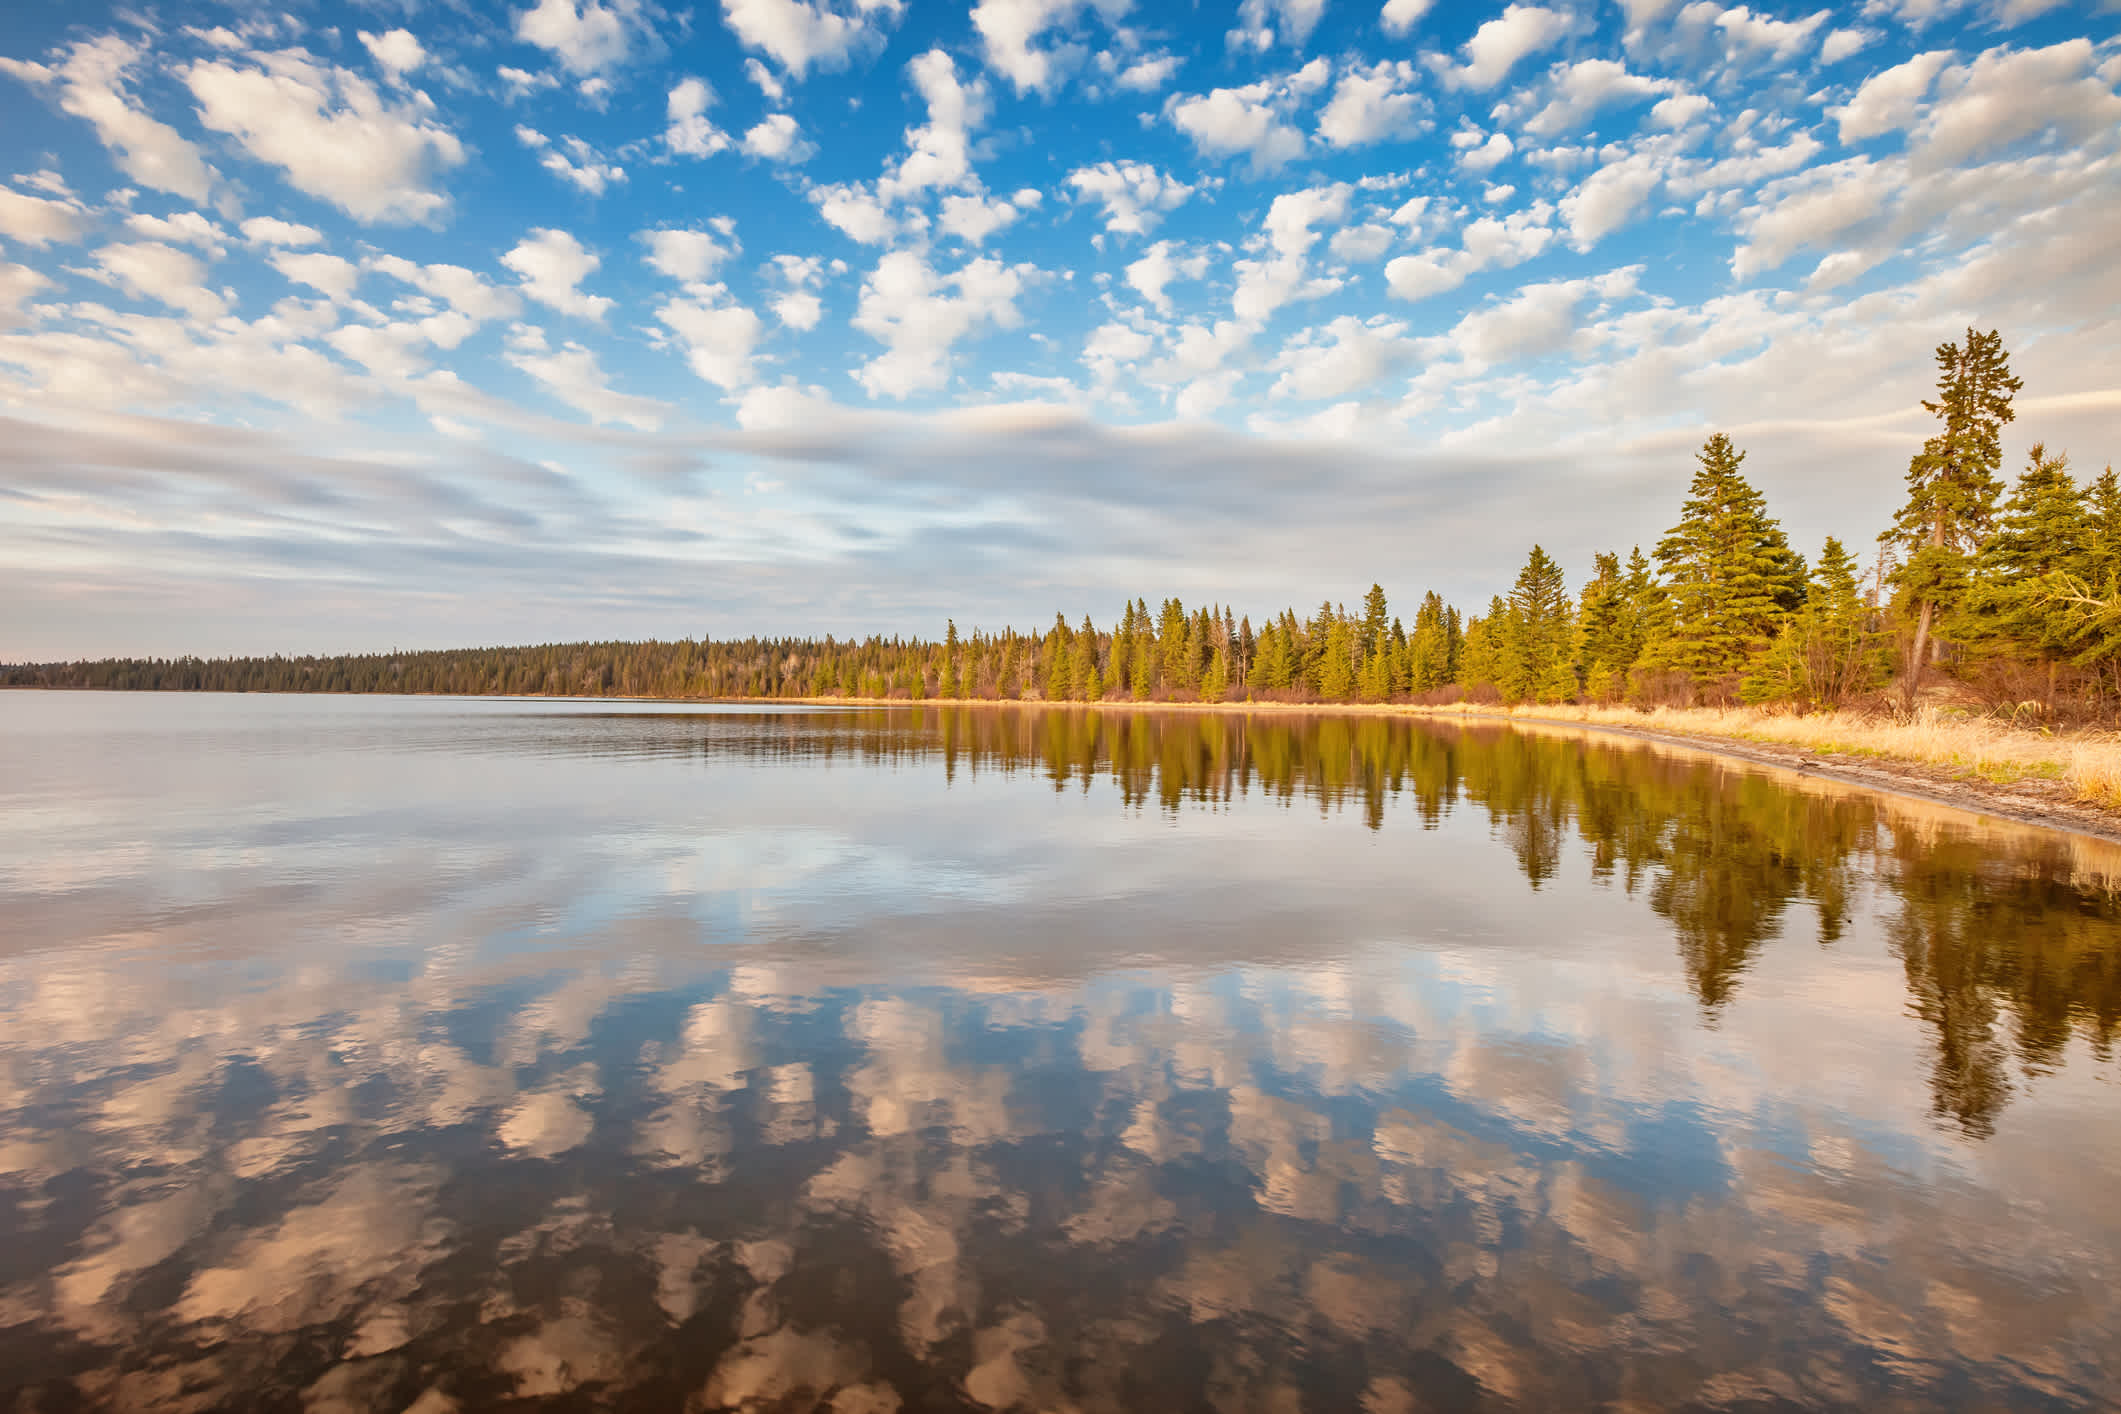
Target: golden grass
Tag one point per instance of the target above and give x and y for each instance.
(2088, 764)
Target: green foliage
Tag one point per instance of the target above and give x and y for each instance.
(1536, 632)
(1728, 569)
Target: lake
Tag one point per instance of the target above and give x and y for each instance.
(432, 1054)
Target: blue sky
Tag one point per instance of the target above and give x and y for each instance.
(350, 325)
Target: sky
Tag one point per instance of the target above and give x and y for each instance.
(399, 323)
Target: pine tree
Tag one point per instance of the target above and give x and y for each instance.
(1727, 567)
(1951, 486)
(1086, 683)
(953, 684)
(1536, 628)
(1370, 634)
(1429, 646)
(1336, 668)
(1481, 655)
(1215, 683)
(1825, 653)
(2010, 607)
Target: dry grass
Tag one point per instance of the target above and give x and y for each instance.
(2088, 764)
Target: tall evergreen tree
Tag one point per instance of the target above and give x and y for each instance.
(1951, 486)
(1727, 567)
(2010, 607)
(1536, 633)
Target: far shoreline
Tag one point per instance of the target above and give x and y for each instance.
(2040, 803)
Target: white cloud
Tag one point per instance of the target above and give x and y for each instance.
(719, 335)
(939, 151)
(271, 230)
(2007, 95)
(396, 52)
(1161, 264)
(1609, 198)
(689, 133)
(799, 307)
(1498, 45)
(1290, 219)
(763, 79)
(909, 308)
(856, 211)
(395, 351)
(1582, 89)
(1488, 155)
(38, 221)
(329, 275)
(552, 265)
(1537, 319)
(92, 85)
(1890, 100)
(1492, 242)
(1812, 210)
(1400, 16)
(1262, 22)
(1134, 194)
(17, 284)
(1009, 31)
(1841, 43)
(1361, 244)
(778, 138)
(574, 376)
(579, 165)
(1341, 358)
(465, 291)
(373, 160)
(1227, 121)
(973, 218)
(586, 37)
(1370, 105)
(686, 256)
(151, 270)
(797, 34)
(1147, 74)
(1678, 110)
(180, 228)
(521, 82)
(1781, 40)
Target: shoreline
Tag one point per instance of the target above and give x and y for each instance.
(2038, 802)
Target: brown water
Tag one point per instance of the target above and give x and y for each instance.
(375, 1054)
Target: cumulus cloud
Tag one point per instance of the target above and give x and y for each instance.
(1134, 195)
(1491, 243)
(1163, 263)
(2005, 96)
(1609, 198)
(1498, 45)
(1343, 357)
(1253, 120)
(271, 230)
(686, 256)
(585, 36)
(151, 270)
(798, 307)
(689, 134)
(778, 138)
(91, 78)
(39, 221)
(1260, 23)
(802, 34)
(718, 334)
(397, 52)
(467, 292)
(1372, 104)
(552, 265)
(574, 376)
(1010, 31)
(939, 151)
(1582, 89)
(920, 315)
(330, 133)
(1400, 16)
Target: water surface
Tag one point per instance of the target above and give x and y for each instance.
(374, 1054)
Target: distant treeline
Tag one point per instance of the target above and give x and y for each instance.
(2016, 600)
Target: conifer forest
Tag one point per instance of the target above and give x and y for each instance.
(2004, 593)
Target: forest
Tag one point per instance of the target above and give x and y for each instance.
(2005, 596)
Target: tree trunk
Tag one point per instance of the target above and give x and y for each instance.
(1915, 658)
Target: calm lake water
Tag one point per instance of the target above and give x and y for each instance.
(387, 1054)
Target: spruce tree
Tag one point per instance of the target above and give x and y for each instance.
(1371, 632)
(1336, 669)
(1728, 569)
(1086, 683)
(2010, 606)
(1951, 486)
(1215, 683)
(1536, 628)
